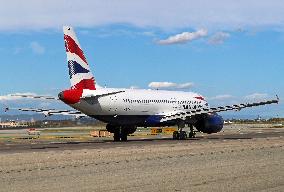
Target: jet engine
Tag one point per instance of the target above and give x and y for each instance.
(210, 123)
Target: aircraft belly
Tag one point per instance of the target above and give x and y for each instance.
(137, 120)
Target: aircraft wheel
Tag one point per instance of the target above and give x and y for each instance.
(123, 137)
(191, 134)
(175, 135)
(182, 135)
(116, 136)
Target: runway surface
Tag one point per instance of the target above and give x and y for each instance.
(97, 143)
(247, 160)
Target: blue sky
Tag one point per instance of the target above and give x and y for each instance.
(234, 54)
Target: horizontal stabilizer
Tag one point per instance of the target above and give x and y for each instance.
(88, 94)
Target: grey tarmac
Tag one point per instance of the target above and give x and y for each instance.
(224, 162)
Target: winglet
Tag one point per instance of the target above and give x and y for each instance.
(6, 109)
(278, 100)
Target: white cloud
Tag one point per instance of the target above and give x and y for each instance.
(218, 38)
(184, 37)
(17, 50)
(133, 87)
(256, 96)
(157, 85)
(37, 48)
(166, 14)
(167, 85)
(9, 97)
(221, 97)
(149, 33)
(185, 85)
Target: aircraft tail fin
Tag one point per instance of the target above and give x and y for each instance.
(79, 70)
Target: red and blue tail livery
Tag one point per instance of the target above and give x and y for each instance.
(79, 70)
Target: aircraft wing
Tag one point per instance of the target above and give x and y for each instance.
(35, 96)
(243, 105)
(183, 115)
(49, 112)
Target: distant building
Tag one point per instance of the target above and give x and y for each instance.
(13, 124)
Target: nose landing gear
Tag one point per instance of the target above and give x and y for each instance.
(182, 135)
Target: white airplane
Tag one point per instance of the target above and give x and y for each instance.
(125, 109)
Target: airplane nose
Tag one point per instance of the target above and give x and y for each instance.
(61, 96)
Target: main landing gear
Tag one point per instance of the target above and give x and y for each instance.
(182, 135)
(120, 132)
(120, 135)
(191, 133)
(179, 135)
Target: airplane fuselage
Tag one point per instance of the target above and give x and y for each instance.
(137, 106)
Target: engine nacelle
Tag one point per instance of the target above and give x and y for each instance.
(212, 123)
